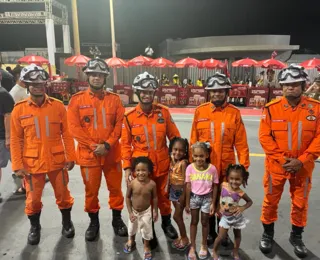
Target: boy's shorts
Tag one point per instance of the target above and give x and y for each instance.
(4, 154)
(143, 223)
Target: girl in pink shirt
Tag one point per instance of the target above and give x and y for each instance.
(201, 192)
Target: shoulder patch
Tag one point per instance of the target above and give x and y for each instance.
(312, 100)
(54, 99)
(273, 102)
(78, 93)
(203, 105)
(130, 111)
(112, 93)
(161, 106)
(21, 102)
(234, 107)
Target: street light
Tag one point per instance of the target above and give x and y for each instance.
(76, 37)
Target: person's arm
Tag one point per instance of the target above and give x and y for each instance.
(128, 199)
(67, 138)
(266, 139)
(116, 133)
(7, 104)
(172, 130)
(16, 141)
(7, 119)
(78, 132)
(188, 196)
(241, 143)
(155, 201)
(194, 134)
(245, 206)
(126, 143)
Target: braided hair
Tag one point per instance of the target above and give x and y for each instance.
(184, 142)
(241, 169)
(205, 146)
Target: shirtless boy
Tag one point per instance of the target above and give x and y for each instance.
(140, 192)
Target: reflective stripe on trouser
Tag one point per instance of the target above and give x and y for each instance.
(164, 203)
(92, 179)
(299, 191)
(34, 186)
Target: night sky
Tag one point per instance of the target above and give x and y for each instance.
(139, 22)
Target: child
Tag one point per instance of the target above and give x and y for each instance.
(201, 193)
(179, 152)
(139, 194)
(230, 209)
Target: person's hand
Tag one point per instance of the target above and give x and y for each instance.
(21, 173)
(8, 143)
(239, 211)
(100, 149)
(129, 178)
(212, 209)
(292, 165)
(155, 215)
(188, 209)
(132, 217)
(69, 166)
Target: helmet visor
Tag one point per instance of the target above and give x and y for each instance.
(218, 80)
(36, 74)
(92, 64)
(149, 84)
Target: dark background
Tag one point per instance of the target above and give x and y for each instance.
(139, 22)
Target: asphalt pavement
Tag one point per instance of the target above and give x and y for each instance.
(14, 225)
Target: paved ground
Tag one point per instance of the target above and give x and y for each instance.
(14, 225)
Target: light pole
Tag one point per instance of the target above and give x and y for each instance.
(113, 41)
(76, 37)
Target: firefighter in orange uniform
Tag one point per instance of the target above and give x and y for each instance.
(290, 136)
(41, 144)
(95, 117)
(220, 123)
(144, 133)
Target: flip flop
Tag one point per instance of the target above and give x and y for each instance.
(203, 254)
(192, 256)
(176, 242)
(147, 255)
(180, 246)
(129, 248)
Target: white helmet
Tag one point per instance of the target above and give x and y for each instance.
(218, 81)
(96, 66)
(33, 74)
(294, 73)
(145, 81)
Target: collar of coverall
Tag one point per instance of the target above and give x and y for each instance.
(213, 107)
(47, 99)
(98, 95)
(140, 111)
(301, 104)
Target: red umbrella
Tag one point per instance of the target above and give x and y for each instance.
(271, 64)
(211, 64)
(187, 62)
(311, 64)
(245, 63)
(38, 60)
(116, 62)
(140, 61)
(161, 63)
(77, 60)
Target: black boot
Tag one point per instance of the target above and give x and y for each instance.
(34, 233)
(296, 240)
(212, 231)
(119, 227)
(167, 227)
(154, 241)
(94, 226)
(266, 242)
(67, 225)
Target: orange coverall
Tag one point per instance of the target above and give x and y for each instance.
(94, 120)
(145, 135)
(224, 129)
(41, 144)
(293, 133)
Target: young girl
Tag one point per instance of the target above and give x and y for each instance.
(179, 152)
(201, 192)
(230, 209)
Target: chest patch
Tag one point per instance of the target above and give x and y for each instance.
(135, 126)
(311, 118)
(160, 120)
(26, 116)
(202, 119)
(85, 106)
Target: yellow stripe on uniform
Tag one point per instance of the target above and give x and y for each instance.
(257, 154)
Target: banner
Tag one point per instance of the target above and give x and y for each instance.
(183, 96)
(197, 96)
(238, 91)
(275, 94)
(257, 97)
(168, 96)
(125, 92)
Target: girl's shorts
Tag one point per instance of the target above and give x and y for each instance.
(238, 222)
(175, 194)
(201, 202)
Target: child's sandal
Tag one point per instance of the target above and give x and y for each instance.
(147, 255)
(203, 254)
(129, 248)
